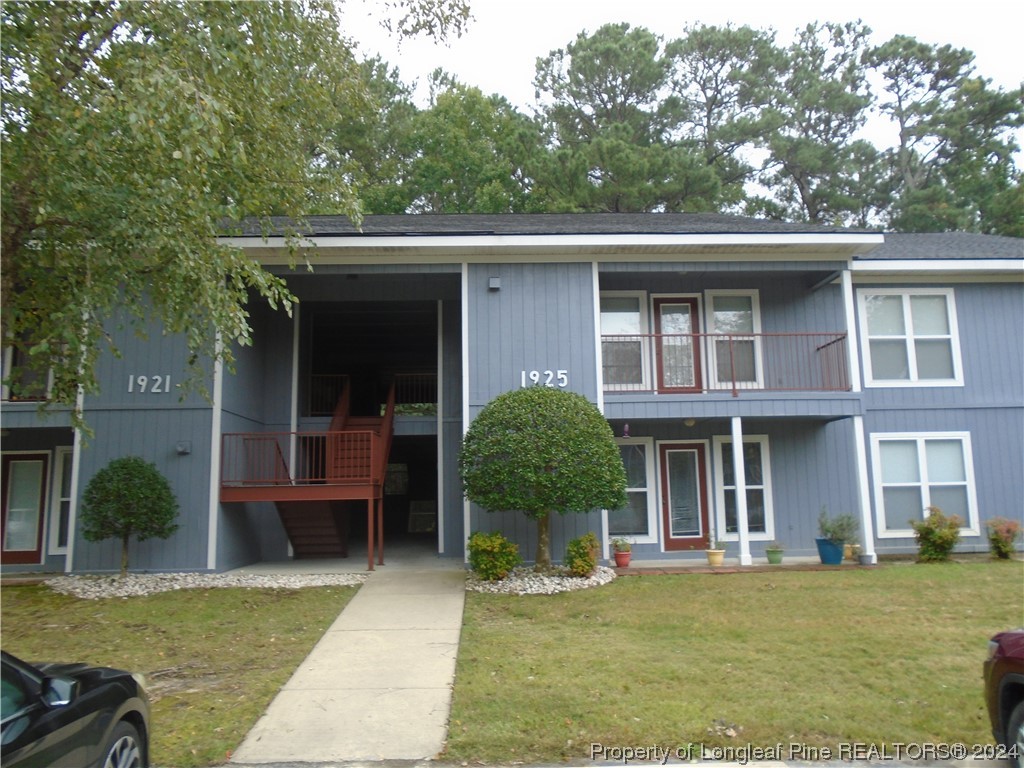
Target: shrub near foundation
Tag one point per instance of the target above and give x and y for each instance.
(491, 556)
(1002, 535)
(936, 536)
(581, 555)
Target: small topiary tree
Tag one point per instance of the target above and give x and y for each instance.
(129, 497)
(542, 450)
(936, 536)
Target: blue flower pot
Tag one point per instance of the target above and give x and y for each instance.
(830, 554)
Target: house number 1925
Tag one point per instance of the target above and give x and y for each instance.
(559, 378)
(154, 385)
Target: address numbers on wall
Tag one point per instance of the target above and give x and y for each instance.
(559, 378)
(153, 385)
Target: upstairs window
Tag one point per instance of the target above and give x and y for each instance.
(910, 337)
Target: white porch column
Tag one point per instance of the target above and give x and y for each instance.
(867, 527)
(739, 471)
(852, 342)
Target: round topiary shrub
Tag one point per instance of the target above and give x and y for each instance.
(129, 497)
(541, 451)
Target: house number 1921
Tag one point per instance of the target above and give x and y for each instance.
(154, 385)
(559, 378)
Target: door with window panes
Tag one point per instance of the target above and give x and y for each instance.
(684, 506)
(24, 500)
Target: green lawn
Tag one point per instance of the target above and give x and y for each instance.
(878, 656)
(213, 658)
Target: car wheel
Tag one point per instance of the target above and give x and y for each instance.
(1015, 735)
(124, 750)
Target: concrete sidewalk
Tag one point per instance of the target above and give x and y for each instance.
(378, 685)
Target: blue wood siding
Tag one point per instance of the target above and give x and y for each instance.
(542, 318)
(153, 434)
(990, 405)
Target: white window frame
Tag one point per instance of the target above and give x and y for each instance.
(718, 443)
(710, 352)
(62, 456)
(5, 390)
(908, 337)
(971, 526)
(643, 307)
(650, 454)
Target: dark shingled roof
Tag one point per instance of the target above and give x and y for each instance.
(947, 245)
(950, 245)
(548, 224)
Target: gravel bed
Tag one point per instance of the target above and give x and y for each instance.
(136, 584)
(526, 581)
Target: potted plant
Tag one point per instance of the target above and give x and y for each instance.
(715, 553)
(623, 552)
(774, 552)
(834, 533)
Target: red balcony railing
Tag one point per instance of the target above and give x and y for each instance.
(331, 458)
(722, 362)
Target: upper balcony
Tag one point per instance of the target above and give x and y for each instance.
(696, 363)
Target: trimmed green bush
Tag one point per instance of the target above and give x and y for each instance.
(581, 555)
(541, 451)
(491, 556)
(936, 536)
(1002, 535)
(129, 497)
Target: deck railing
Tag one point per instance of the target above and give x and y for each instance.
(331, 458)
(722, 362)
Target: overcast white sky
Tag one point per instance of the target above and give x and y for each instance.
(499, 52)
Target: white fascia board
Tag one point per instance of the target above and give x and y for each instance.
(940, 267)
(551, 244)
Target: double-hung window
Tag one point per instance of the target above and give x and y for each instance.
(910, 337)
(914, 472)
(735, 345)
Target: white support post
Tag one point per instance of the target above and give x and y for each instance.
(739, 471)
(852, 340)
(867, 527)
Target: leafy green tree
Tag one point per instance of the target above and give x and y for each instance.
(376, 144)
(129, 497)
(132, 131)
(542, 450)
(721, 76)
(952, 167)
(818, 106)
(613, 127)
(470, 152)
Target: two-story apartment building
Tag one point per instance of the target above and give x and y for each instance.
(753, 373)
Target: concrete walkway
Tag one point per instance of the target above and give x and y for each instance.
(378, 685)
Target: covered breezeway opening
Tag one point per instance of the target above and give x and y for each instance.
(410, 499)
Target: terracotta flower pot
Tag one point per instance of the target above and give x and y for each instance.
(622, 559)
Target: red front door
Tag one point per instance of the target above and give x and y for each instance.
(684, 508)
(676, 323)
(24, 507)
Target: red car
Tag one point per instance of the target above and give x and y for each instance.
(1004, 692)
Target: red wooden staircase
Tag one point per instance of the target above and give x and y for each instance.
(347, 462)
